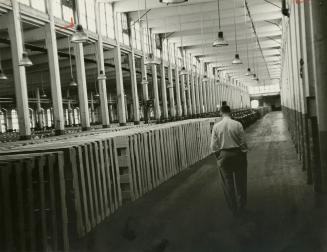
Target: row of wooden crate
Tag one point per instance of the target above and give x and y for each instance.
(56, 192)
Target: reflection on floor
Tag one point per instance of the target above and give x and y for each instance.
(188, 213)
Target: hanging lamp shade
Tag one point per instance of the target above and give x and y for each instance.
(25, 61)
(144, 81)
(96, 94)
(44, 95)
(102, 76)
(254, 77)
(183, 71)
(170, 85)
(237, 60)
(173, 1)
(248, 73)
(72, 83)
(2, 75)
(150, 59)
(220, 42)
(79, 36)
(205, 78)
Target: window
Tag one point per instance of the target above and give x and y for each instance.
(90, 15)
(125, 30)
(119, 28)
(57, 9)
(82, 16)
(38, 4)
(103, 21)
(27, 2)
(110, 21)
(138, 35)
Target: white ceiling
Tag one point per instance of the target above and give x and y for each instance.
(196, 17)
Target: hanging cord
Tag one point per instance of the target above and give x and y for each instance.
(235, 26)
(246, 36)
(147, 27)
(202, 31)
(70, 59)
(218, 15)
(180, 30)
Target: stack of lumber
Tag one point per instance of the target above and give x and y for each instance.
(55, 192)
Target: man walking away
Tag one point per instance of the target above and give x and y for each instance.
(229, 146)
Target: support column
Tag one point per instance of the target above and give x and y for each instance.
(71, 118)
(184, 102)
(92, 109)
(101, 70)
(135, 96)
(56, 95)
(204, 95)
(319, 19)
(197, 94)
(120, 87)
(16, 44)
(189, 97)
(82, 89)
(178, 93)
(201, 111)
(171, 92)
(193, 93)
(39, 110)
(163, 88)
(145, 90)
(155, 92)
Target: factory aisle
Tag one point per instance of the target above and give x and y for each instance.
(188, 213)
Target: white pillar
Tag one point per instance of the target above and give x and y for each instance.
(56, 95)
(15, 36)
(135, 96)
(101, 83)
(120, 87)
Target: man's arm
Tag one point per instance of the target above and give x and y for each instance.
(214, 145)
(243, 144)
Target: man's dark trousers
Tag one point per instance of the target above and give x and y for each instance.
(232, 165)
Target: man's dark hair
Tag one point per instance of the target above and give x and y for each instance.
(225, 109)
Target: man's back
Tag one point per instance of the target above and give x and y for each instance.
(227, 134)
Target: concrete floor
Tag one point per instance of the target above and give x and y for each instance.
(188, 213)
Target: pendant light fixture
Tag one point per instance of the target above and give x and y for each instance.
(80, 35)
(25, 60)
(43, 95)
(2, 74)
(72, 82)
(101, 76)
(183, 71)
(248, 72)
(172, 1)
(205, 77)
(96, 90)
(144, 81)
(150, 59)
(236, 60)
(220, 41)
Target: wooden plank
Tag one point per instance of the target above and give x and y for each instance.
(82, 185)
(7, 215)
(18, 169)
(89, 185)
(107, 168)
(98, 182)
(52, 194)
(94, 183)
